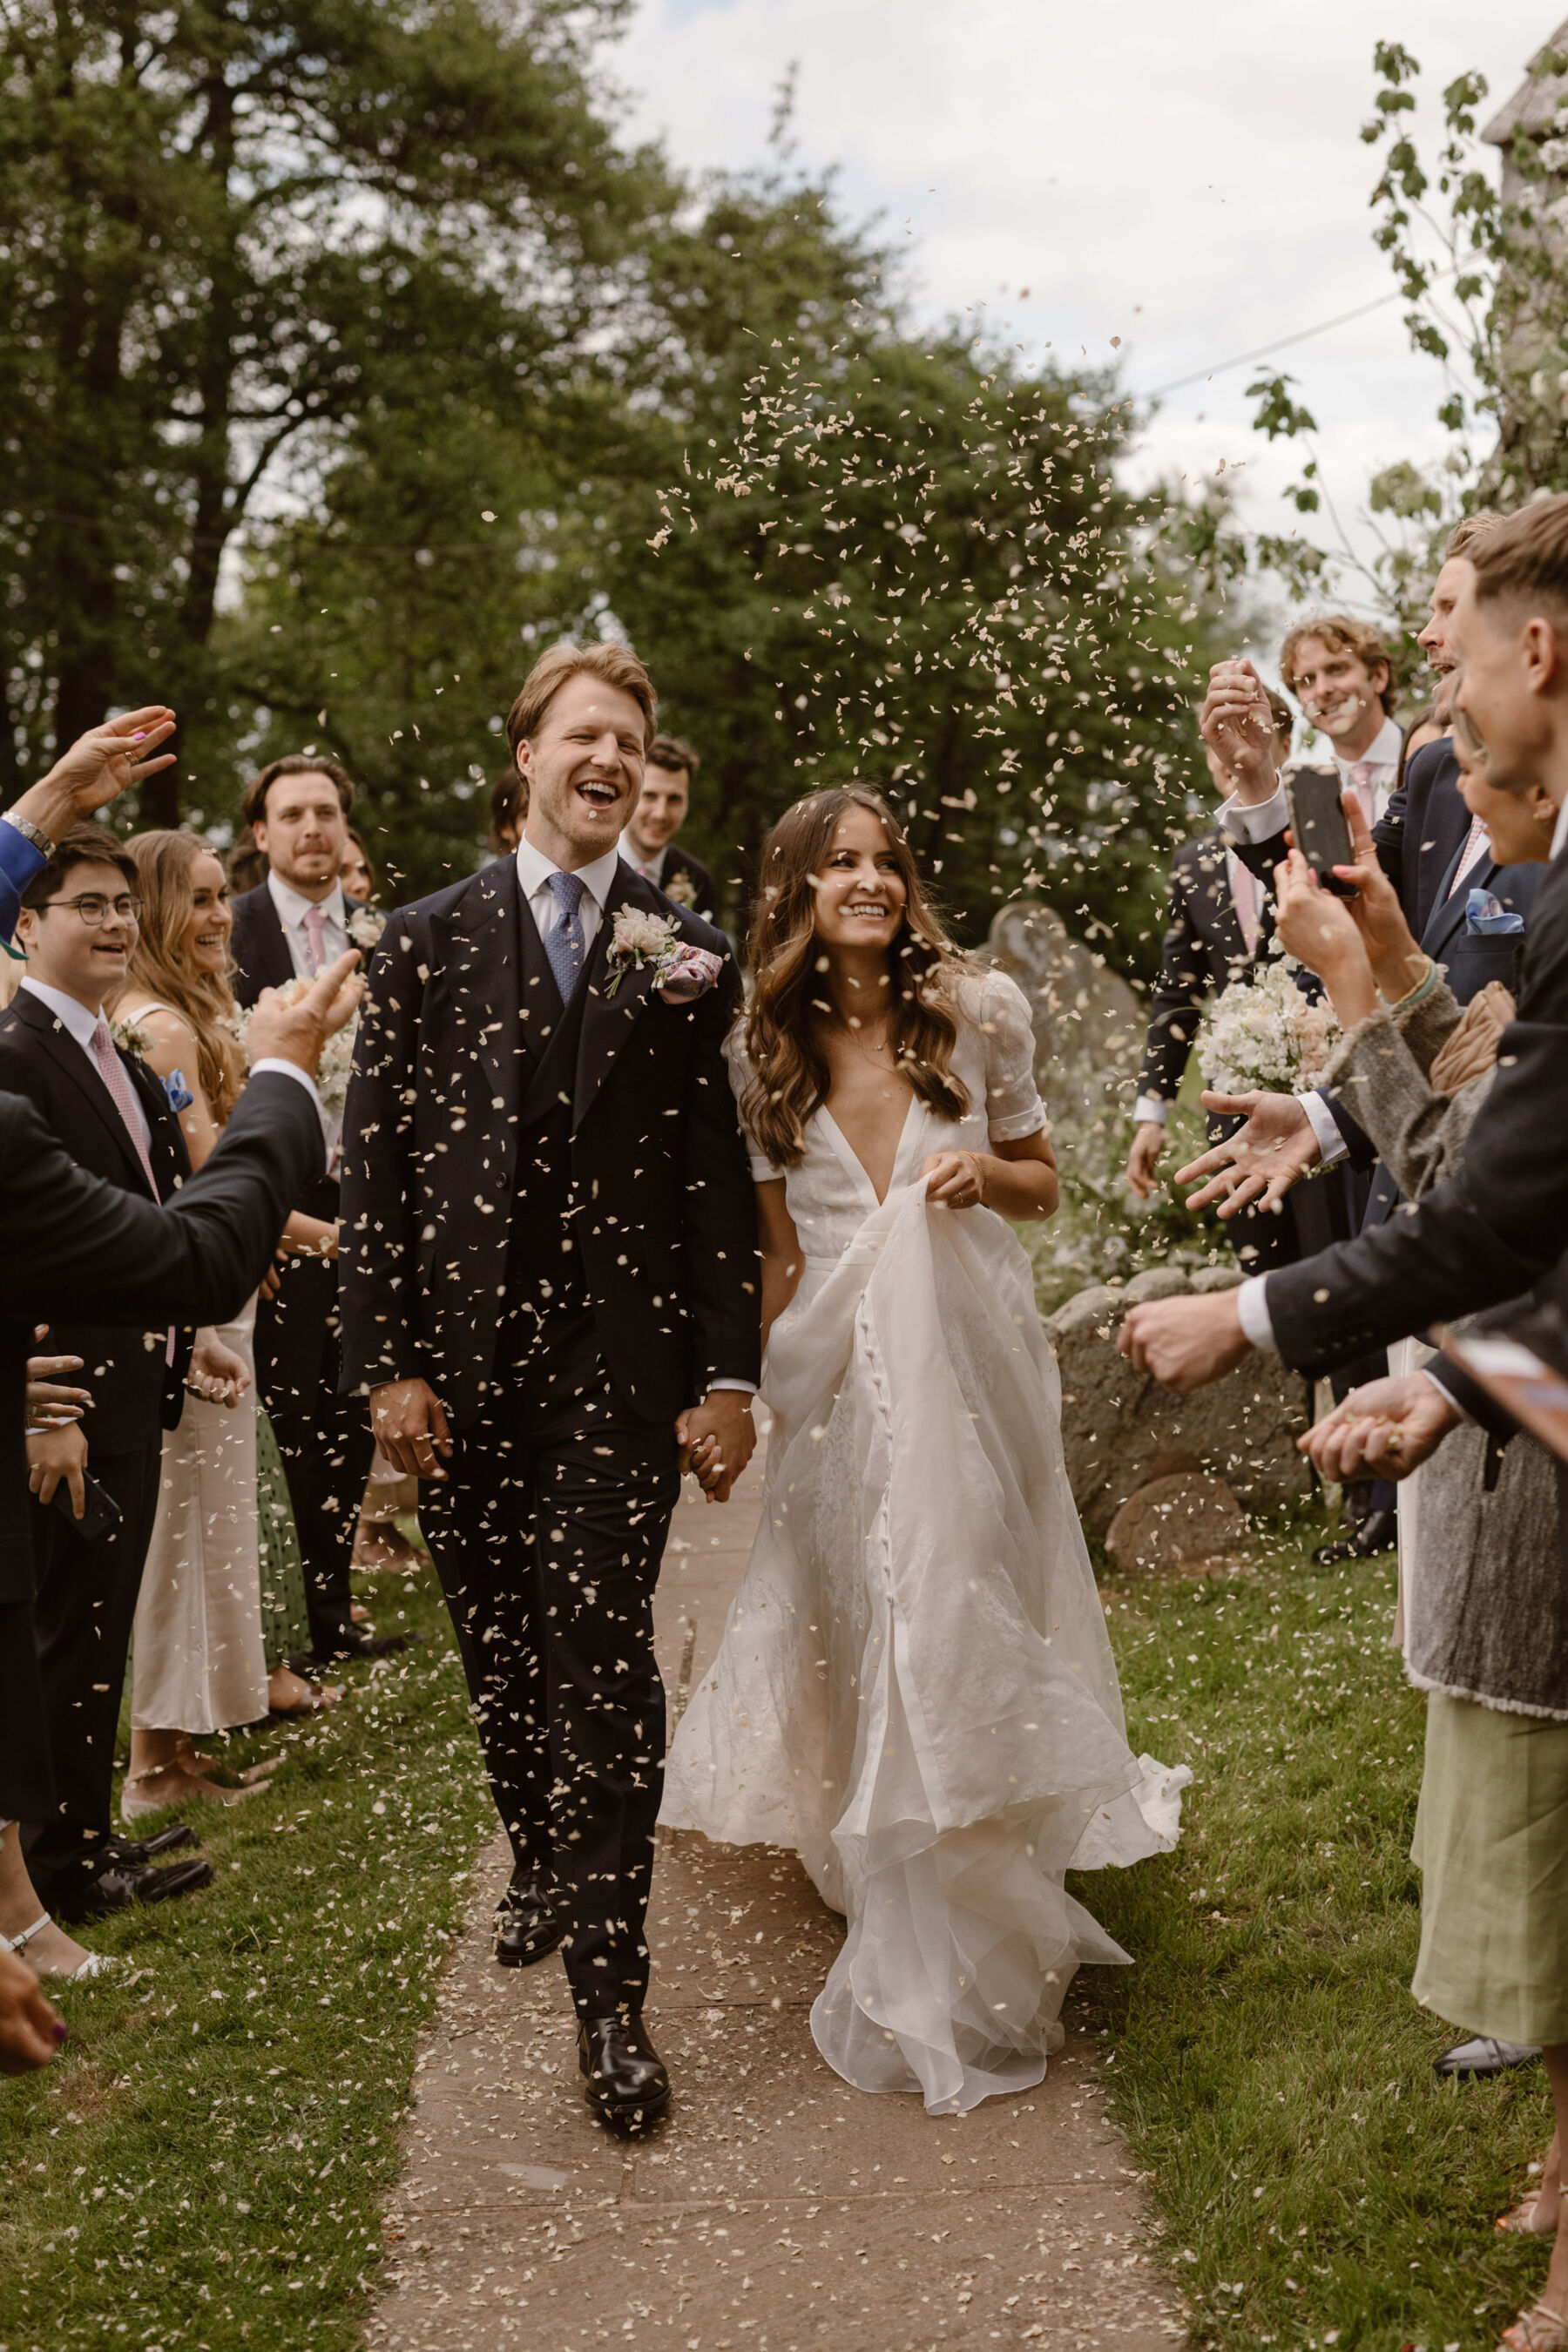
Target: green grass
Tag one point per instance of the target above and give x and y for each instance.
(203, 2164)
(1319, 2184)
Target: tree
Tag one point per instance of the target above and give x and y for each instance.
(237, 233)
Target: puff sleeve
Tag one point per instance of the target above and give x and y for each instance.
(1013, 1105)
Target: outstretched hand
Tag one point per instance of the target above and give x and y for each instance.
(296, 1031)
(1186, 1342)
(101, 765)
(1385, 1430)
(1256, 1166)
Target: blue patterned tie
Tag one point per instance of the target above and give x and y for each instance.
(565, 947)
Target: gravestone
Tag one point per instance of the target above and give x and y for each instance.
(1089, 1025)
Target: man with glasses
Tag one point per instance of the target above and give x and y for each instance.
(113, 1116)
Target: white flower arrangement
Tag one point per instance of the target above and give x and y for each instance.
(636, 939)
(365, 928)
(1263, 1034)
(337, 1054)
(130, 1038)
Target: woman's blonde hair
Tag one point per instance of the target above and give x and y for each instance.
(164, 862)
(783, 1026)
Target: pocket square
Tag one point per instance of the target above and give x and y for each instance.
(1487, 916)
(179, 1094)
(690, 972)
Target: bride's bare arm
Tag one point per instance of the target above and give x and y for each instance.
(1018, 1179)
(779, 1247)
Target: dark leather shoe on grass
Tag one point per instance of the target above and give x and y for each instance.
(119, 1885)
(624, 2073)
(128, 1849)
(1379, 1531)
(528, 1924)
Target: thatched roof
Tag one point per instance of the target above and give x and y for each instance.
(1534, 105)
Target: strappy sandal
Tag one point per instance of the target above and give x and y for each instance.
(1519, 2219)
(1536, 2330)
(96, 1964)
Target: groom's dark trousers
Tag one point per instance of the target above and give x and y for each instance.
(549, 1217)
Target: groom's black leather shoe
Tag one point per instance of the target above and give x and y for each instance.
(626, 2077)
(526, 1922)
(1379, 1531)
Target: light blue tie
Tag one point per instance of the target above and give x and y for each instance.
(565, 946)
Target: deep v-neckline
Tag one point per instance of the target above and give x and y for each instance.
(851, 1158)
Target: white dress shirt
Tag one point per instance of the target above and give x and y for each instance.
(534, 872)
(78, 1022)
(291, 910)
(651, 868)
(1252, 1299)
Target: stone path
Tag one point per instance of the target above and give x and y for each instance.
(776, 2208)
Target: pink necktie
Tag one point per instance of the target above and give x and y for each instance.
(124, 1093)
(1474, 842)
(648, 875)
(1244, 898)
(315, 946)
(1361, 784)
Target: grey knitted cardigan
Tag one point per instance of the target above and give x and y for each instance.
(1490, 1595)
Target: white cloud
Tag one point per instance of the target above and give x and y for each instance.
(1188, 177)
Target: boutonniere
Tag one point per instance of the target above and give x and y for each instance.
(365, 928)
(683, 890)
(130, 1038)
(680, 972)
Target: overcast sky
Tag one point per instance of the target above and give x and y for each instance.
(1184, 174)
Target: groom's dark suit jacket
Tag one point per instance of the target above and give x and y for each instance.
(462, 1051)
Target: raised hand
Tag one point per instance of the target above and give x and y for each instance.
(1143, 1158)
(1238, 725)
(1186, 1342)
(296, 1031)
(101, 765)
(1385, 1430)
(1258, 1165)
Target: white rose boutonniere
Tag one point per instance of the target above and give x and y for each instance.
(365, 928)
(130, 1038)
(680, 972)
(683, 890)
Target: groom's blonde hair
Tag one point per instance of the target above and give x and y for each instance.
(617, 665)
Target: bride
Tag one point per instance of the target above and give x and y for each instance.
(915, 1690)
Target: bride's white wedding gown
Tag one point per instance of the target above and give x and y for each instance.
(915, 1689)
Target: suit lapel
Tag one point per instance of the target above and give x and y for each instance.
(67, 1055)
(496, 1016)
(1448, 916)
(607, 1020)
(277, 963)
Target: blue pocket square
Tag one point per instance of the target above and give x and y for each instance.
(1487, 916)
(179, 1094)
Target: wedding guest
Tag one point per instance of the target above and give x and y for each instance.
(508, 809)
(96, 768)
(199, 1663)
(1484, 1605)
(77, 924)
(245, 865)
(1220, 922)
(355, 872)
(649, 842)
(292, 924)
(93, 1247)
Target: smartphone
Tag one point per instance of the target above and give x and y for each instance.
(1319, 824)
(1525, 1364)
(101, 1511)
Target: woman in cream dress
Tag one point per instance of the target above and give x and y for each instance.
(915, 1689)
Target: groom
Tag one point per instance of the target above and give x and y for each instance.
(549, 1293)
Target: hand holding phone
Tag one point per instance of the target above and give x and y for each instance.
(1319, 826)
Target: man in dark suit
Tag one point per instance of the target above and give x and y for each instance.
(77, 923)
(289, 925)
(82, 1246)
(550, 1294)
(649, 842)
(1487, 1233)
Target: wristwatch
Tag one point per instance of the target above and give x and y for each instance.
(31, 831)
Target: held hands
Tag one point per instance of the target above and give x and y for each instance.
(955, 1180)
(1385, 1430)
(296, 1033)
(217, 1373)
(54, 1455)
(1238, 725)
(409, 1424)
(1186, 1342)
(1258, 1165)
(716, 1440)
(1143, 1158)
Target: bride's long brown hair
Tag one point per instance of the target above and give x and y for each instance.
(782, 1029)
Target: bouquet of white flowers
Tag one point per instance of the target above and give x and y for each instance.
(1264, 1034)
(337, 1054)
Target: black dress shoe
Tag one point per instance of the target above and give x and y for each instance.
(354, 1642)
(625, 2074)
(117, 1884)
(126, 1849)
(1379, 1531)
(528, 1924)
(1468, 2060)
